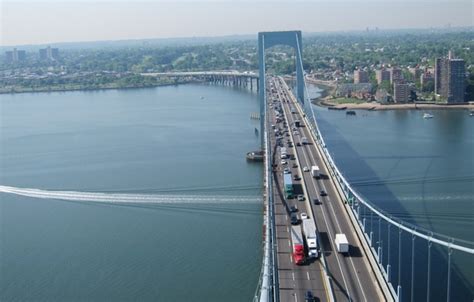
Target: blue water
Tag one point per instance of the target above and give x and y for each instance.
(166, 141)
(418, 170)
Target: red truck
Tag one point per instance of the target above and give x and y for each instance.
(298, 245)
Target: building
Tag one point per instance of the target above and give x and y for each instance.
(427, 81)
(382, 96)
(396, 75)
(15, 55)
(49, 53)
(382, 75)
(361, 76)
(361, 90)
(450, 77)
(401, 93)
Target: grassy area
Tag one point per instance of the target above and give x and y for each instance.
(347, 101)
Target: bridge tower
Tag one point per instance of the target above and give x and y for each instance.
(267, 40)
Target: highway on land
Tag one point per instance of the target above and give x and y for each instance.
(352, 278)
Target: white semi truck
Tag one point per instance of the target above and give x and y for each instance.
(315, 171)
(342, 245)
(311, 236)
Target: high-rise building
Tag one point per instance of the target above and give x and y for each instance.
(43, 55)
(450, 76)
(401, 93)
(427, 81)
(382, 75)
(15, 55)
(396, 75)
(49, 53)
(361, 76)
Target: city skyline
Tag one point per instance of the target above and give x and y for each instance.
(60, 22)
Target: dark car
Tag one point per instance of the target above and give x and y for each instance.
(293, 209)
(295, 165)
(323, 193)
(316, 200)
(294, 219)
(296, 177)
(308, 297)
(298, 144)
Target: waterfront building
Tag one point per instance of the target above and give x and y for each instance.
(450, 77)
(382, 75)
(401, 93)
(427, 81)
(396, 75)
(382, 96)
(361, 76)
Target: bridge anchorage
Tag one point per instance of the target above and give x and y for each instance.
(387, 259)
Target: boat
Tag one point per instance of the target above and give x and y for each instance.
(471, 113)
(202, 98)
(427, 115)
(256, 131)
(350, 112)
(255, 156)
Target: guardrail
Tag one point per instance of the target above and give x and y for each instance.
(366, 213)
(267, 289)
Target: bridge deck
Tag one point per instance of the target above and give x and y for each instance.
(351, 276)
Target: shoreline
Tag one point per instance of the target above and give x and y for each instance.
(376, 106)
(58, 89)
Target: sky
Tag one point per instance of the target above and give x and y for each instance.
(51, 21)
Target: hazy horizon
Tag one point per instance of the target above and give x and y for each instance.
(32, 22)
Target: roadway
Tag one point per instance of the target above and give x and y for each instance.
(294, 280)
(351, 276)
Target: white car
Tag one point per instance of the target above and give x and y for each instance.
(304, 216)
(306, 169)
(284, 162)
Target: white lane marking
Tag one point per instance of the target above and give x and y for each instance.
(337, 222)
(289, 243)
(307, 274)
(286, 218)
(291, 259)
(296, 297)
(293, 275)
(329, 230)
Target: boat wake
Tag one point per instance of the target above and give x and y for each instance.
(123, 198)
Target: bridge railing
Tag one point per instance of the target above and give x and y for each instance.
(392, 241)
(267, 289)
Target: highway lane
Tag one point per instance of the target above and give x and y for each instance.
(351, 275)
(294, 280)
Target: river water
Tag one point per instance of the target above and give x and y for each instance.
(418, 170)
(145, 194)
(156, 201)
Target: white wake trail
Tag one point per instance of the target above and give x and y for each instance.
(129, 198)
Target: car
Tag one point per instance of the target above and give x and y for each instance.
(308, 296)
(296, 133)
(305, 169)
(300, 197)
(298, 144)
(303, 216)
(323, 193)
(284, 162)
(295, 165)
(293, 209)
(286, 171)
(316, 200)
(294, 219)
(296, 177)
